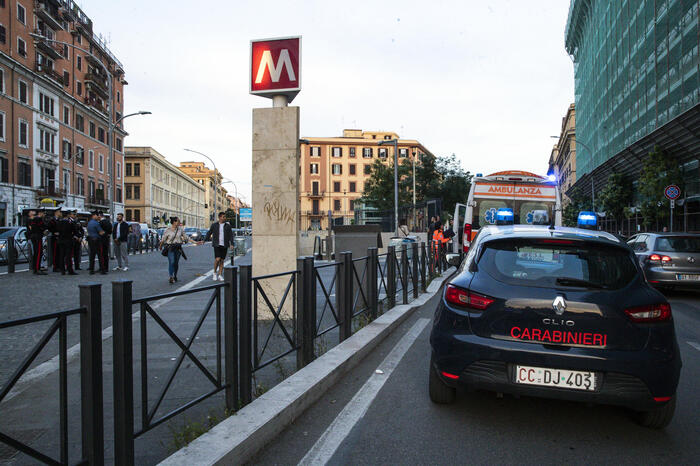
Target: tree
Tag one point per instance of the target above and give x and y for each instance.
(577, 203)
(454, 182)
(659, 170)
(379, 187)
(616, 196)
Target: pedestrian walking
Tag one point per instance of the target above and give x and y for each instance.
(64, 228)
(120, 235)
(107, 227)
(134, 236)
(78, 235)
(171, 245)
(36, 229)
(94, 234)
(221, 236)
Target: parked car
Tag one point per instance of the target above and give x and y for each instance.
(204, 232)
(22, 245)
(560, 313)
(668, 259)
(194, 233)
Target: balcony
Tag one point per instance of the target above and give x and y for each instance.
(51, 49)
(49, 73)
(50, 191)
(95, 201)
(97, 84)
(49, 14)
(315, 213)
(316, 194)
(96, 103)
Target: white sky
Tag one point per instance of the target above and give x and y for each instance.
(487, 80)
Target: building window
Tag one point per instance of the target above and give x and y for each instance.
(367, 152)
(21, 14)
(352, 152)
(4, 170)
(128, 211)
(24, 173)
(119, 144)
(352, 168)
(368, 170)
(79, 61)
(353, 187)
(101, 134)
(403, 152)
(313, 169)
(46, 104)
(2, 126)
(66, 150)
(337, 152)
(66, 181)
(3, 35)
(23, 97)
(137, 191)
(382, 152)
(91, 189)
(137, 215)
(101, 163)
(21, 47)
(81, 186)
(79, 122)
(352, 205)
(66, 115)
(315, 151)
(47, 141)
(314, 188)
(2, 80)
(119, 194)
(91, 160)
(91, 125)
(337, 169)
(336, 205)
(79, 88)
(23, 133)
(128, 170)
(137, 169)
(65, 51)
(79, 155)
(119, 97)
(66, 78)
(119, 170)
(129, 192)
(336, 186)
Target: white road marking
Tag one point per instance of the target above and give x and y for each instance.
(326, 446)
(694, 345)
(51, 365)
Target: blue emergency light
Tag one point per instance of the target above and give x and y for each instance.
(587, 220)
(504, 217)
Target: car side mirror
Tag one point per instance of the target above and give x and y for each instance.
(454, 259)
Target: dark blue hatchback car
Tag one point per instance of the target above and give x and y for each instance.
(559, 313)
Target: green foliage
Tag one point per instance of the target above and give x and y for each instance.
(577, 203)
(616, 196)
(379, 188)
(231, 217)
(659, 170)
(454, 183)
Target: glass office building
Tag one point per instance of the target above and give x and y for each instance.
(637, 81)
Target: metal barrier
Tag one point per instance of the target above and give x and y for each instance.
(124, 431)
(90, 312)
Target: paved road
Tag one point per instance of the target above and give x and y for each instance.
(402, 426)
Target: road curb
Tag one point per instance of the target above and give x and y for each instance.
(236, 439)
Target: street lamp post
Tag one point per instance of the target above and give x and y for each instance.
(110, 108)
(395, 142)
(216, 177)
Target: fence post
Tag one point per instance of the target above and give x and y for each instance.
(414, 268)
(11, 254)
(391, 276)
(123, 373)
(404, 273)
(372, 287)
(91, 414)
(245, 316)
(423, 269)
(231, 338)
(345, 294)
(306, 311)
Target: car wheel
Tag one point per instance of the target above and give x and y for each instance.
(657, 418)
(439, 392)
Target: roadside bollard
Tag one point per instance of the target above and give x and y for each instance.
(404, 273)
(391, 276)
(11, 254)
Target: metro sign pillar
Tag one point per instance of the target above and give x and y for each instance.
(275, 72)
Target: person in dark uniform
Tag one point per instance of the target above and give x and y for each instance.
(78, 235)
(52, 223)
(107, 228)
(65, 231)
(36, 229)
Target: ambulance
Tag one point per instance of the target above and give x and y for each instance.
(533, 200)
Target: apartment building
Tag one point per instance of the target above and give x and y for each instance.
(334, 171)
(562, 159)
(208, 178)
(54, 121)
(156, 190)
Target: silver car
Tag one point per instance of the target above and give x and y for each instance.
(669, 259)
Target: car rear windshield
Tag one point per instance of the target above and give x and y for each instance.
(678, 244)
(7, 232)
(558, 263)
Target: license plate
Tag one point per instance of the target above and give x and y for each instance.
(687, 276)
(562, 378)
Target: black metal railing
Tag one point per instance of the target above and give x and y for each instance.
(91, 410)
(125, 432)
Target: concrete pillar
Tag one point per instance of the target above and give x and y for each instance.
(275, 198)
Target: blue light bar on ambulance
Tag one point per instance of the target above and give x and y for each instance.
(504, 217)
(587, 219)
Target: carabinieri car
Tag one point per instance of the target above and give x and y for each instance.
(558, 313)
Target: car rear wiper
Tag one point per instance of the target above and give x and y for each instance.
(567, 281)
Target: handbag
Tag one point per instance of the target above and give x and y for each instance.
(164, 251)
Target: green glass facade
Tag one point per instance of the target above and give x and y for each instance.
(636, 67)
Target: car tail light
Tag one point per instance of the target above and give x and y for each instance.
(467, 237)
(653, 313)
(449, 376)
(464, 298)
(665, 259)
(654, 258)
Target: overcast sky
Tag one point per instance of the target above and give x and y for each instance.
(486, 80)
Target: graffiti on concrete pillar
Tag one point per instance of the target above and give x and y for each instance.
(276, 211)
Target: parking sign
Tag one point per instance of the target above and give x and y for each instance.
(246, 215)
(672, 192)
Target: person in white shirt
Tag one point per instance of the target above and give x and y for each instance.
(221, 236)
(120, 235)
